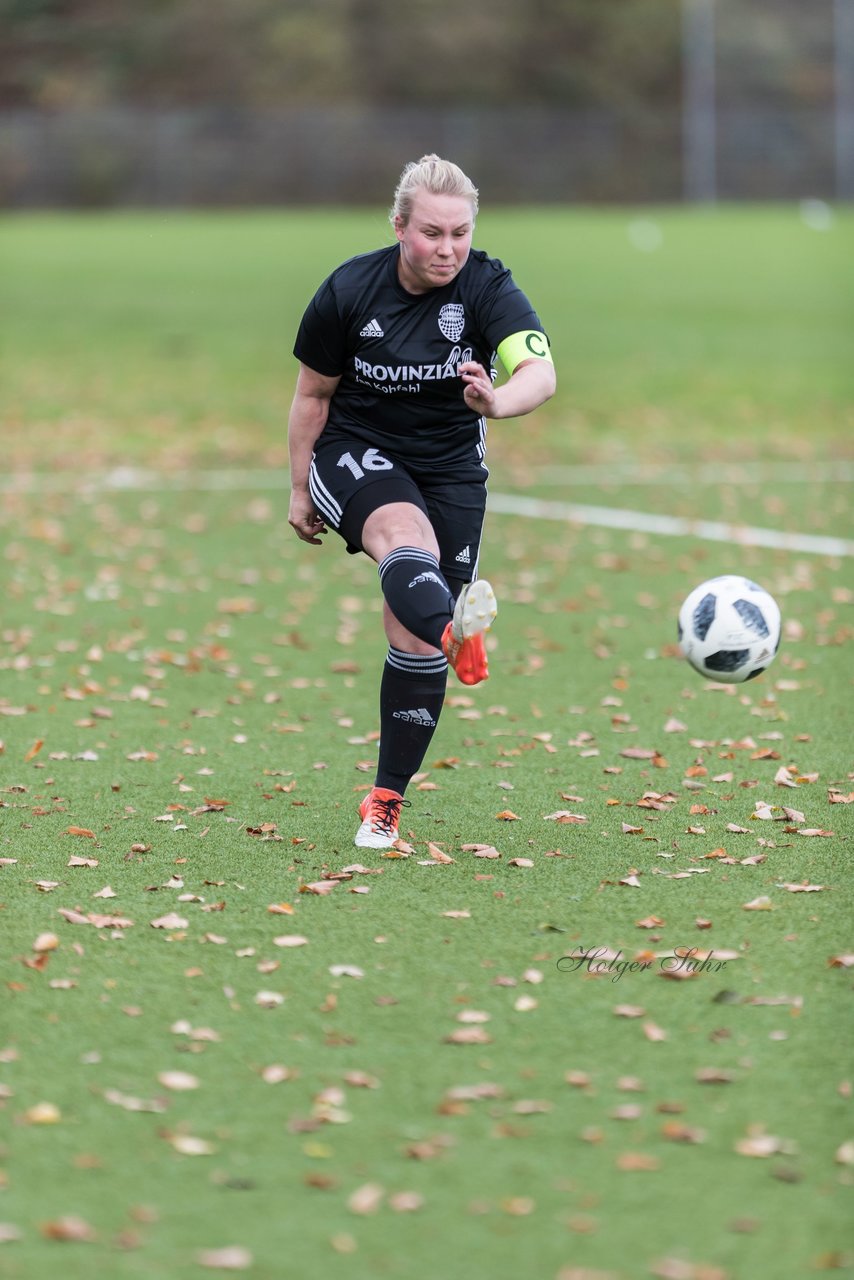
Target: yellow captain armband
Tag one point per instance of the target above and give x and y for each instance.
(528, 344)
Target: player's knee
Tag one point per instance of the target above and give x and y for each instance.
(400, 637)
(397, 525)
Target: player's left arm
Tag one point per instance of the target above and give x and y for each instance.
(532, 379)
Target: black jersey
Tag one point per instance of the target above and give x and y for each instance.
(397, 353)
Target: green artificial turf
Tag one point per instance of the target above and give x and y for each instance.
(135, 336)
(196, 690)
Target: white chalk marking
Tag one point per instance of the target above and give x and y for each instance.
(628, 474)
(137, 479)
(670, 526)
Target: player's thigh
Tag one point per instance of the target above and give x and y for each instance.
(349, 482)
(394, 525)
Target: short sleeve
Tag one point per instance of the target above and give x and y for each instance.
(321, 340)
(506, 310)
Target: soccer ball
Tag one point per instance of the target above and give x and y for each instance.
(729, 629)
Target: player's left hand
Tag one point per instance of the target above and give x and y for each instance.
(478, 391)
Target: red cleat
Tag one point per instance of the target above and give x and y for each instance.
(462, 641)
(380, 814)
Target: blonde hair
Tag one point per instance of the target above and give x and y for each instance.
(438, 177)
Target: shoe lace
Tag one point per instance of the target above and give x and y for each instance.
(385, 812)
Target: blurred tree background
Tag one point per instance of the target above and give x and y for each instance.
(237, 101)
(262, 53)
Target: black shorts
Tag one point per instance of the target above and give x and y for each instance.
(347, 482)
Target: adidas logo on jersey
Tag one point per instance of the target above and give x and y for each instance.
(464, 557)
(371, 330)
(419, 715)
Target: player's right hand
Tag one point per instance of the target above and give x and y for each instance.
(305, 520)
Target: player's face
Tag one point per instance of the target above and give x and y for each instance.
(435, 242)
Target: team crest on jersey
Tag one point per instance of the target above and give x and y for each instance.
(452, 319)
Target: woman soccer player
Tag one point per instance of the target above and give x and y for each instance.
(387, 433)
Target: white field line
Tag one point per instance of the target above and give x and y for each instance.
(671, 526)
(133, 479)
(626, 474)
(138, 479)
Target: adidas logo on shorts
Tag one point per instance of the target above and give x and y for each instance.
(419, 715)
(371, 330)
(464, 557)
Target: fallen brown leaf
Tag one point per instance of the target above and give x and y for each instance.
(129, 1103)
(468, 1035)
(437, 854)
(45, 942)
(714, 1075)
(187, 1145)
(43, 1113)
(676, 1131)
(233, 1257)
(406, 1201)
(681, 1269)
(178, 1081)
(170, 921)
(366, 1199)
(584, 1273)
(761, 1145)
(268, 999)
(637, 1161)
(69, 1227)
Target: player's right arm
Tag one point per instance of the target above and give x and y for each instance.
(307, 418)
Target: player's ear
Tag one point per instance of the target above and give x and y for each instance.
(399, 226)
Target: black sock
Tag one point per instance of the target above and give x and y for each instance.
(411, 696)
(417, 593)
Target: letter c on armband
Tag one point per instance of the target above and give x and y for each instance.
(522, 346)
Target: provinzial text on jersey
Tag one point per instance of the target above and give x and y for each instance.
(412, 372)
